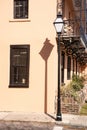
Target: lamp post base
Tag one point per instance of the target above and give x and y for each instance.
(59, 117)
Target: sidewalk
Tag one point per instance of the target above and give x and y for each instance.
(67, 119)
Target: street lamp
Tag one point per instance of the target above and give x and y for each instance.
(58, 26)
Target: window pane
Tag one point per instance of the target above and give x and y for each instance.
(19, 57)
(62, 66)
(19, 75)
(68, 67)
(20, 8)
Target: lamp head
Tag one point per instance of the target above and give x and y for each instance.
(58, 23)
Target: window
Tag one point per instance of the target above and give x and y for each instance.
(19, 65)
(62, 66)
(63, 8)
(68, 67)
(73, 66)
(20, 9)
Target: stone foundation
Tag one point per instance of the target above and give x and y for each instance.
(69, 105)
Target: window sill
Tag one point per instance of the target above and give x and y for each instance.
(18, 86)
(19, 20)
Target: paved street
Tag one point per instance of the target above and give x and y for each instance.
(35, 126)
(25, 126)
(74, 128)
(69, 128)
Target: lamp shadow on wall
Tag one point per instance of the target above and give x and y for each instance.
(45, 53)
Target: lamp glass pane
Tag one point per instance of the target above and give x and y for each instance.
(58, 25)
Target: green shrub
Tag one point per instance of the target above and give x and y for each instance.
(73, 87)
(83, 110)
(77, 83)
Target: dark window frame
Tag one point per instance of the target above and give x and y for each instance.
(62, 66)
(63, 8)
(68, 68)
(21, 9)
(12, 83)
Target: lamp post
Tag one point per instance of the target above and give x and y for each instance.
(58, 23)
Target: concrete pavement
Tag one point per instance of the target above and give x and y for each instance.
(67, 119)
(74, 120)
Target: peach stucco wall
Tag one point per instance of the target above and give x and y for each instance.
(40, 96)
(33, 32)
